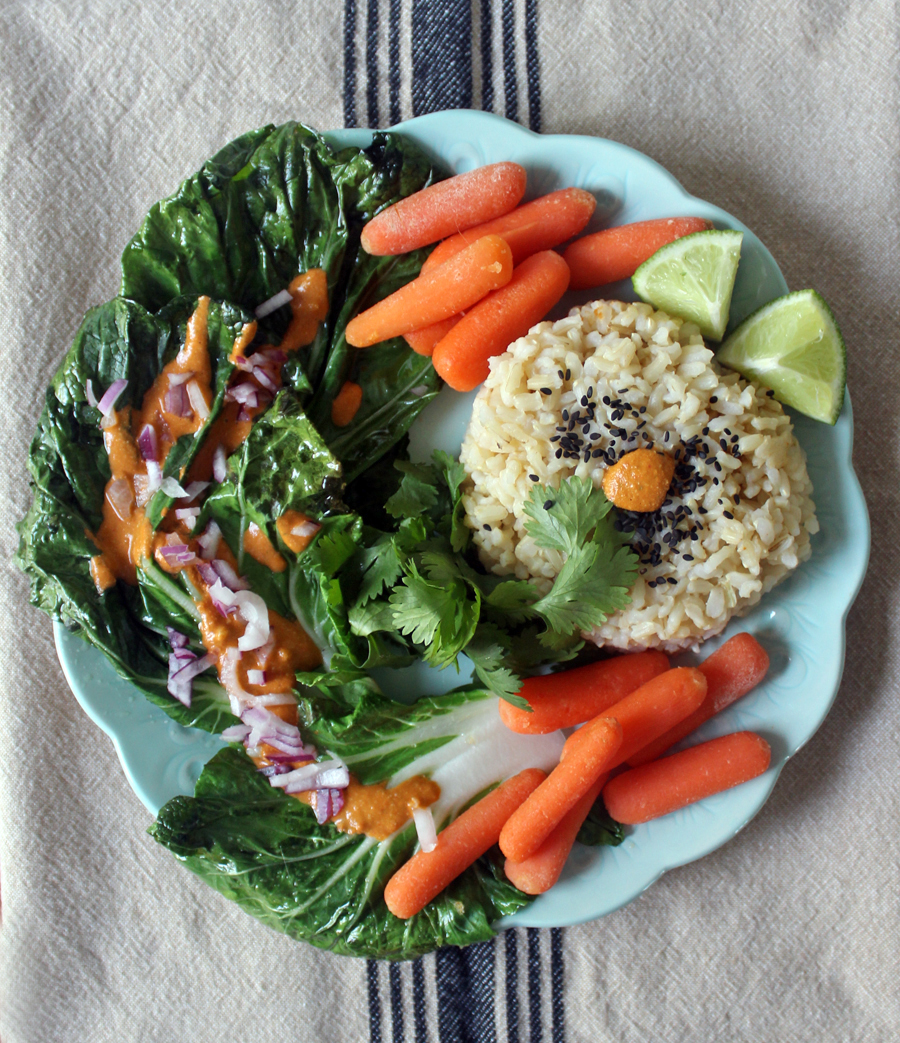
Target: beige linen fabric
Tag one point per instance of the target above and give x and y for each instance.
(785, 116)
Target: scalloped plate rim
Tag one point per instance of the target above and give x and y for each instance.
(468, 125)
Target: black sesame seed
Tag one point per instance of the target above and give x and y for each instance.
(565, 414)
(546, 391)
(717, 465)
(560, 372)
(688, 557)
(548, 504)
(605, 400)
(486, 527)
(714, 399)
(728, 515)
(534, 477)
(671, 579)
(568, 374)
(584, 400)
(558, 453)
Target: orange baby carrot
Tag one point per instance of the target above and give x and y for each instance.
(423, 341)
(666, 785)
(426, 874)
(617, 253)
(528, 229)
(650, 710)
(346, 404)
(730, 672)
(575, 696)
(579, 768)
(462, 358)
(539, 873)
(443, 209)
(451, 288)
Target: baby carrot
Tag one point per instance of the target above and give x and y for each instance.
(575, 696)
(650, 710)
(539, 873)
(528, 229)
(579, 768)
(617, 253)
(462, 358)
(484, 266)
(346, 404)
(423, 341)
(666, 785)
(443, 209)
(426, 874)
(730, 672)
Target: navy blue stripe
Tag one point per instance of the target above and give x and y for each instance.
(512, 987)
(534, 986)
(396, 1003)
(556, 985)
(349, 63)
(372, 63)
(487, 56)
(532, 65)
(441, 55)
(374, 1002)
(510, 87)
(465, 994)
(394, 60)
(418, 976)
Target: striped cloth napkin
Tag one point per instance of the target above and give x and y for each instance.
(784, 115)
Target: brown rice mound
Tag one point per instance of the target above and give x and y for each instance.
(574, 395)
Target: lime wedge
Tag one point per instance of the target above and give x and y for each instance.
(693, 278)
(793, 346)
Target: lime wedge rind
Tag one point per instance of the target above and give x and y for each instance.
(793, 346)
(693, 278)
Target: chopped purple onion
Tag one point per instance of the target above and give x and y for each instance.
(176, 640)
(176, 401)
(172, 488)
(273, 303)
(220, 464)
(178, 555)
(192, 491)
(106, 403)
(228, 576)
(274, 769)
(121, 495)
(184, 666)
(89, 393)
(198, 402)
(328, 803)
(263, 376)
(148, 443)
(209, 544)
(256, 676)
(177, 379)
(236, 733)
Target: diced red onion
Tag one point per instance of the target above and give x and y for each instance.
(192, 491)
(256, 613)
(198, 402)
(306, 528)
(263, 376)
(273, 699)
(209, 542)
(89, 393)
(178, 555)
(236, 733)
(324, 774)
(176, 639)
(177, 379)
(177, 402)
(172, 488)
(147, 443)
(106, 403)
(273, 303)
(419, 390)
(220, 464)
(221, 597)
(188, 515)
(329, 803)
(184, 666)
(274, 769)
(228, 576)
(238, 696)
(256, 677)
(334, 777)
(244, 393)
(121, 496)
(427, 834)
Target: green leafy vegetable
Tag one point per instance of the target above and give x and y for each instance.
(264, 849)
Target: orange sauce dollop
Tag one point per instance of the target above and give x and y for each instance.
(640, 480)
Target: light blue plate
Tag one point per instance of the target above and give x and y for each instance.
(801, 623)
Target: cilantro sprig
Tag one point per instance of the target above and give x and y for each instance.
(423, 585)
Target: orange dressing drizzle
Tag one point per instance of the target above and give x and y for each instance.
(309, 307)
(258, 545)
(287, 523)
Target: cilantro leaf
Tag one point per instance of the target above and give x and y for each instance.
(417, 494)
(511, 600)
(454, 474)
(563, 519)
(591, 585)
(382, 566)
(488, 651)
(439, 617)
(371, 617)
